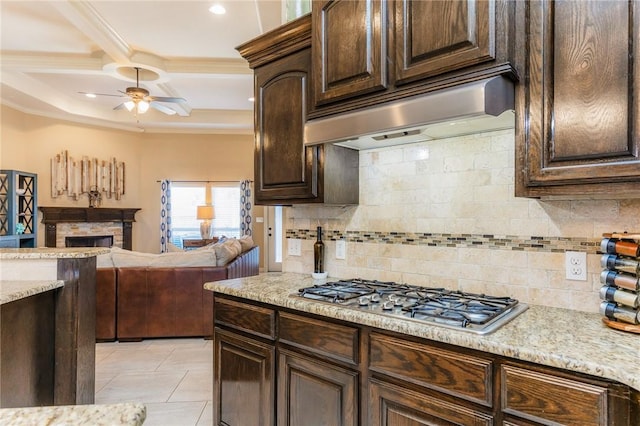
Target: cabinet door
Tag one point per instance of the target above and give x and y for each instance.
(243, 391)
(391, 405)
(311, 392)
(349, 48)
(579, 104)
(284, 169)
(435, 37)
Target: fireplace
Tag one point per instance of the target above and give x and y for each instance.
(89, 241)
(92, 222)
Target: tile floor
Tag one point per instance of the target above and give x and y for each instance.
(172, 377)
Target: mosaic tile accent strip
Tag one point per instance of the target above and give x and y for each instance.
(485, 241)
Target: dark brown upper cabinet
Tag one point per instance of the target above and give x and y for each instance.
(284, 168)
(349, 48)
(578, 125)
(436, 37)
(372, 51)
(285, 171)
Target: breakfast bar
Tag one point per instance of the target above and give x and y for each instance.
(47, 347)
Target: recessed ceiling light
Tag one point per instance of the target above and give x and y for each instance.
(90, 95)
(217, 9)
(252, 99)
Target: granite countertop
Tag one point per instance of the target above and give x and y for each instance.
(562, 338)
(51, 252)
(132, 414)
(14, 290)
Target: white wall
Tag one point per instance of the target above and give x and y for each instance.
(29, 142)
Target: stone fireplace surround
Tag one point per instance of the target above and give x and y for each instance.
(61, 222)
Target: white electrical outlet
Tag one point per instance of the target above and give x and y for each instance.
(341, 249)
(575, 263)
(294, 247)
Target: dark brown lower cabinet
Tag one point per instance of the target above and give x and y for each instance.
(336, 373)
(391, 405)
(27, 358)
(315, 393)
(545, 397)
(243, 390)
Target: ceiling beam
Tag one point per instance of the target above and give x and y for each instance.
(87, 19)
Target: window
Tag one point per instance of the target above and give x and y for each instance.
(185, 197)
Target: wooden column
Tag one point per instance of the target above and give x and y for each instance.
(75, 332)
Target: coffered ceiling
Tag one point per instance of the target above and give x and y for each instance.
(52, 52)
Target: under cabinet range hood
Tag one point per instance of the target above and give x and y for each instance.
(476, 107)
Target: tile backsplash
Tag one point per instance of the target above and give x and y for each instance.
(442, 213)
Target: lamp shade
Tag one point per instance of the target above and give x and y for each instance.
(205, 212)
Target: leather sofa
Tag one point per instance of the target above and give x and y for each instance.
(134, 303)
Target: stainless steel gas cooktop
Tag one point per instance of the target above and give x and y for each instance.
(476, 313)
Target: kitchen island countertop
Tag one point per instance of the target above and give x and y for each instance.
(125, 414)
(51, 253)
(15, 290)
(570, 340)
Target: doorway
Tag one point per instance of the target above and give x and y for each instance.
(274, 237)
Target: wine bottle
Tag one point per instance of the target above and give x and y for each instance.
(318, 253)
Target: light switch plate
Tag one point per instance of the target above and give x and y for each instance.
(294, 247)
(341, 249)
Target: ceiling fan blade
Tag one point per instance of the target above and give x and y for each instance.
(167, 99)
(121, 106)
(162, 108)
(99, 94)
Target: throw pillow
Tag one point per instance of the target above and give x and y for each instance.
(246, 242)
(226, 251)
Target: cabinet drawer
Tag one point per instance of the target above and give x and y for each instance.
(457, 374)
(396, 405)
(245, 317)
(335, 341)
(545, 398)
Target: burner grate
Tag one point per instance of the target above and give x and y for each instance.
(476, 312)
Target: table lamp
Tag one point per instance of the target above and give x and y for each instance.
(205, 213)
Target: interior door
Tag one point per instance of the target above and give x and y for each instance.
(274, 236)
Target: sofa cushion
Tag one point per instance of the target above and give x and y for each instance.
(104, 261)
(127, 258)
(184, 259)
(172, 248)
(227, 251)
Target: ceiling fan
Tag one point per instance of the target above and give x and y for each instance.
(140, 100)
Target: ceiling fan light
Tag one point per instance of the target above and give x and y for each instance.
(129, 105)
(143, 106)
(217, 9)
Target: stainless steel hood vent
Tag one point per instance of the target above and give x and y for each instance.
(476, 107)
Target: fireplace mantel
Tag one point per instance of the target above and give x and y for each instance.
(51, 216)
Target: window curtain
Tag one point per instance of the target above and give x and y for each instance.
(246, 203)
(165, 215)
